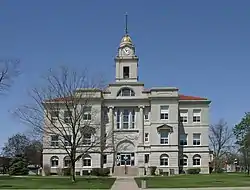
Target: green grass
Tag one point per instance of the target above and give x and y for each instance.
(54, 182)
(192, 181)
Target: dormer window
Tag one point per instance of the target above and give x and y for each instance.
(126, 92)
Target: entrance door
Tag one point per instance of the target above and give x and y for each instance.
(126, 159)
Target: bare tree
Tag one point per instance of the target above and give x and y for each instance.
(67, 111)
(8, 70)
(221, 137)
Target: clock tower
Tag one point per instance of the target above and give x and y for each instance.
(126, 61)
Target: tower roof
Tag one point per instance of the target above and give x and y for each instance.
(126, 39)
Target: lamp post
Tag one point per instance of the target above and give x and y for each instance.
(125, 168)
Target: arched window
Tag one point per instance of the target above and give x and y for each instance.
(54, 161)
(126, 92)
(86, 161)
(66, 161)
(196, 160)
(184, 160)
(164, 160)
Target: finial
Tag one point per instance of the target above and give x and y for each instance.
(126, 23)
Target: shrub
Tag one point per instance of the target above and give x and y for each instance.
(100, 171)
(152, 170)
(193, 170)
(18, 166)
(59, 171)
(46, 170)
(66, 171)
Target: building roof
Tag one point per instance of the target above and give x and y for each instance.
(184, 97)
(181, 97)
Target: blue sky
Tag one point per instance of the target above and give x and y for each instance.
(201, 47)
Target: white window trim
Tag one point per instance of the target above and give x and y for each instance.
(164, 111)
(87, 158)
(196, 157)
(182, 139)
(184, 113)
(196, 139)
(196, 113)
(130, 119)
(163, 138)
(164, 158)
(55, 158)
(185, 157)
(146, 137)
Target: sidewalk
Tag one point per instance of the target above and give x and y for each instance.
(204, 188)
(125, 183)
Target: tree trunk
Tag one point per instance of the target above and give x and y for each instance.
(114, 159)
(72, 173)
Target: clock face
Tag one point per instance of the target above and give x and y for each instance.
(127, 50)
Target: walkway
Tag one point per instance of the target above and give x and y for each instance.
(125, 183)
(206, 188)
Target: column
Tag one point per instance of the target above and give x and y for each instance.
(142, 124)
(111, 117)
(111, 163)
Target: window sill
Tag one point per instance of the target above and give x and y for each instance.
(54, 167)
(87, 167)
(164, 166)
(126, 130)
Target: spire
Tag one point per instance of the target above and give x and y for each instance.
(126, 40)
(126, 23)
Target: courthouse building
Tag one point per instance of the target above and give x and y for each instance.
(156, 127)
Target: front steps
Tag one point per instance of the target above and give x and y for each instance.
(130, 171)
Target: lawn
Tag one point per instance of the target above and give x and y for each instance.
(192, 181)
(54, 182)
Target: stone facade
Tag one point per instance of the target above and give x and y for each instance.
(151, 127)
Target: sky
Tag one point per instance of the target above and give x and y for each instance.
(201, 47)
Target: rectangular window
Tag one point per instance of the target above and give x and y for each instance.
(146, 137)
(87, 162)
(196, 161)
(133, 119)
(196, 116)
(146, 114)
(183, 161)
(67, 116)
(196, 139)
(125, 119)
(164, 137)
(54, 140)
(104, 157)
(54, 116)
(87, 116)
(125, 72)
(183, 116)
(87, 139)
(67, 140)
(164, 112)
(183, 139)
(118, 119)
(146, 158)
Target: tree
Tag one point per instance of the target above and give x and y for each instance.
(18, 166)
(220, 136)
(16, 145)
(33, 153)
(20, 145)
(67, 109)
(8, 71)
(242, 133)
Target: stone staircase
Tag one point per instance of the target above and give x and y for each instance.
(120, 171)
